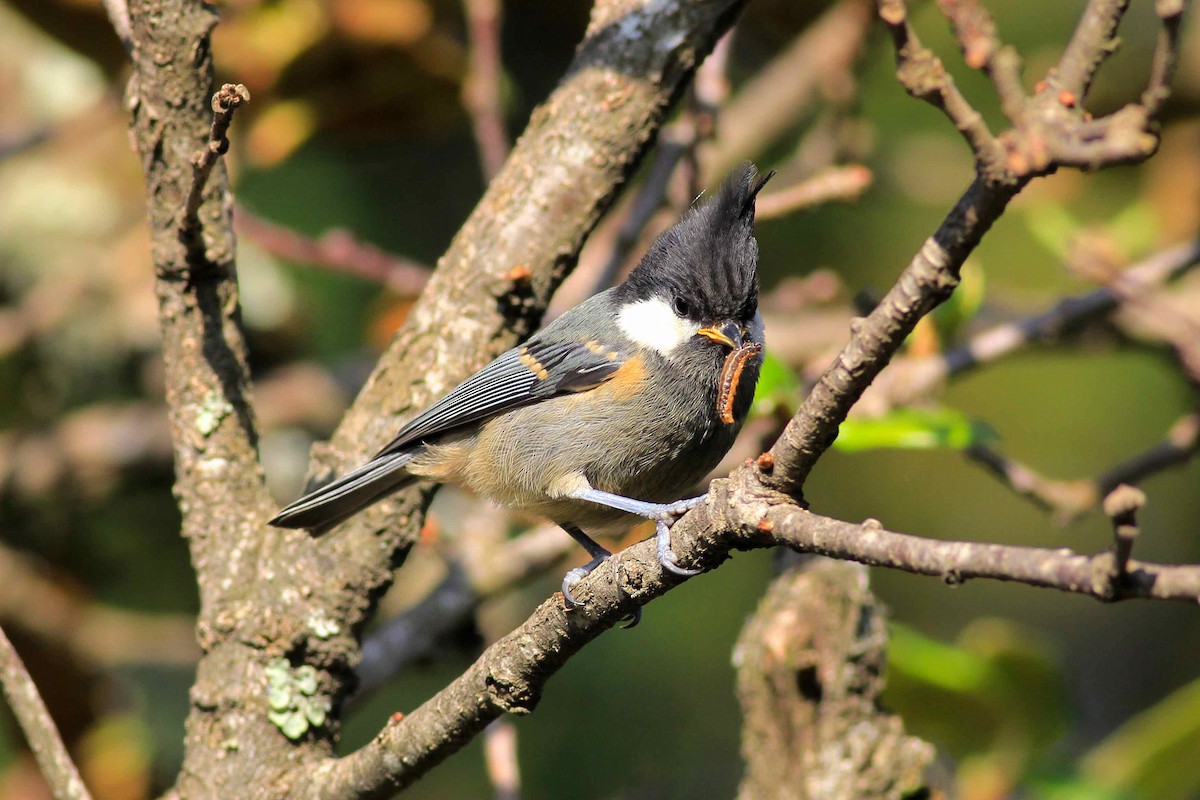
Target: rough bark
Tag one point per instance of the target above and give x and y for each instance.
(811, 666)
(275, 601)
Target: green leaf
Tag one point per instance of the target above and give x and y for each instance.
(1052, 226)
(913, 429)
(1154, 753)
(777, 386)
(935, 663)
(1136, 228)
(963, 304)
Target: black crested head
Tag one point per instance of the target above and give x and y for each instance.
(706, 265)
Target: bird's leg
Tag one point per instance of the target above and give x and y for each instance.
(599, 555)
(663, 514)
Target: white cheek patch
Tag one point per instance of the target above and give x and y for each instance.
(652, 323)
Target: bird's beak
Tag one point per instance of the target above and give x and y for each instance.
(728, 334)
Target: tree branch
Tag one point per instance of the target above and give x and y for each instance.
(336, 250)
(482, 89)
(1070, 499)
(745, 512)
(811, 665)
(272, 597)
(218, 478)
(93, 633)
(40, 731)
(833, 183)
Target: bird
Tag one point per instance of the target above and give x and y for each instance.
(610, 413)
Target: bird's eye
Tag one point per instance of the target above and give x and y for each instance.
(681, 306)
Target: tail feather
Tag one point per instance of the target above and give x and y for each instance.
(332, 504)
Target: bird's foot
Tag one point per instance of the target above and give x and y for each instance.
(579, 573)
(666, 556)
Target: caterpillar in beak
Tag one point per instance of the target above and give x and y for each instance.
(731, 375)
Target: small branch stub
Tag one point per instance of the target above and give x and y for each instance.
(230, 97)
(1122, 505)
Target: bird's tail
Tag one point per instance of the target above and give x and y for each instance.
(332, 504)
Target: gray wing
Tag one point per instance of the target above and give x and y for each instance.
(524, 375)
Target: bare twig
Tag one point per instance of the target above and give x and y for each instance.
(337, 250)
(1093, 42)
(93, 633)
(224, 103)
(1122, 505)
(647, 202)
(982, 49)
(785, 90)
(1166, 55)
(923, 76)
(40, 730)
(1181, 444)
(1066, 499)
(1137, 280)
(118, 17)
(1071, 499)
(956, 561)
(844, 184)
(482, 90)
(413, 634)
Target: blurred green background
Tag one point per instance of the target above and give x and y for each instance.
(357, 123)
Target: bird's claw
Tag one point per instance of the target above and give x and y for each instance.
(667, 557)
(569, 580)
(579, 573)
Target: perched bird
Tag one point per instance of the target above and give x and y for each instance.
(609, 413)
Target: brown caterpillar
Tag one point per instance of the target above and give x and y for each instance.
(731, 374)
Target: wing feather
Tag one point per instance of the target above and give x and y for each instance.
(518, 377)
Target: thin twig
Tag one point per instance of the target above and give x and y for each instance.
(845, 184)
(413, 634)
(958, 561)
(1094, 41)
(1180, 445)
(337, 250)
(482, 88)
(783, 92)
(923, 76)
(224, 103)
(1166, 55)
(1135, 281)
(1066, 499)
(1122, 505)
(40, 731)
(118, 17)
(649, 199)
(89, 631)
(1071, 499)
(982, 49)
